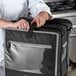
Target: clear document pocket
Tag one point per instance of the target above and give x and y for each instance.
(25, 56)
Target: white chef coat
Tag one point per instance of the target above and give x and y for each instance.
(13, 9)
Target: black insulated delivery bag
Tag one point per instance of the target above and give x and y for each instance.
(38, 52)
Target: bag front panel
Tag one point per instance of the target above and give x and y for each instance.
(36, 54)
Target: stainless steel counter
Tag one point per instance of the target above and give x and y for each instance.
(70, 14)
(67, 13)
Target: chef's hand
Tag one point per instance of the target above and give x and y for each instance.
(41, 18)
(22, 24)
